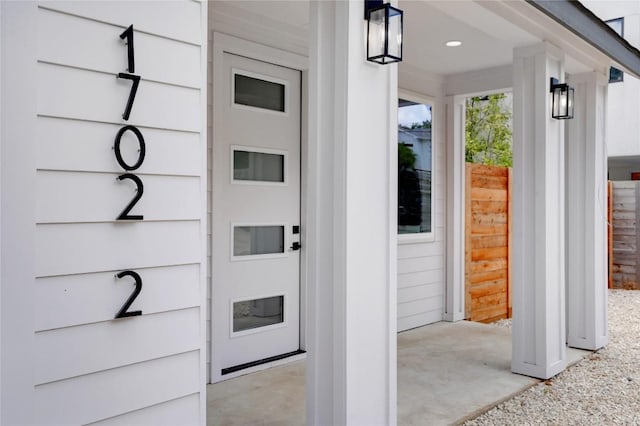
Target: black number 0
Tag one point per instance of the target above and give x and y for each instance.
(142, 152)
(123, 313)
(125, 213)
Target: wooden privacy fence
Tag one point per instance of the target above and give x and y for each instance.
(624, 235)
(488, 243)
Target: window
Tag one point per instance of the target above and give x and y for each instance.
(258, 166)
(415, 165)
(257, 91)
(258, 240)
(257, 313)
(616, 75)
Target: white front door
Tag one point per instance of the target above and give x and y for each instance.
(256, 215)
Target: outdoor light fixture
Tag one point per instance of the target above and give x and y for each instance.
(384, 32)
(561, 100)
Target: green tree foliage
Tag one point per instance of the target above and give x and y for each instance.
(424, 125)
(488, 131)
(406, 157)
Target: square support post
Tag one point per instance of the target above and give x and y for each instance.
(456, 280)
(352, 220)
(538, 216)
(586, 162)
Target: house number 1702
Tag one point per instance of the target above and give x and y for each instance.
(142, 149)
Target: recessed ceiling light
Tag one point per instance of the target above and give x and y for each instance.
(453, 43)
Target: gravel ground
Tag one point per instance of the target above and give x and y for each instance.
(603, 389)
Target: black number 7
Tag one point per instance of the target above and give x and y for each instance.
(132, 93)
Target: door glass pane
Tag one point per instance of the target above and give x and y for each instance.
(258, 93)
(258, 166)
(415, 164)
(252, 240)
(256, 313)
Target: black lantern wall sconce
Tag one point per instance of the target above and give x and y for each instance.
(561, 100)
(384, 32)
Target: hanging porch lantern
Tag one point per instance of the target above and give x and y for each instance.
(384, 32)
(561, 100)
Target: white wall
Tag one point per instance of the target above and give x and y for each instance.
(87, 367)
(623, 103)
(421, 263)
(620, 168)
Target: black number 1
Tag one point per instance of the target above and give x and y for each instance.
(123, 313)
(128, 34)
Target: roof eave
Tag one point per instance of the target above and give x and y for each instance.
(574, 16)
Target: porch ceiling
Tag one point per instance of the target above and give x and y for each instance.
(488, 31)
(487, 39)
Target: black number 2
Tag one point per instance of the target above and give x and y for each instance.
(125, 213)
(123, 313)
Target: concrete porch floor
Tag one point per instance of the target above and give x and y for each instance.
(447, 373)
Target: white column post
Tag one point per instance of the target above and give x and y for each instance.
(18, 113)
(586, 161)
(455, 290)
(538, 216)
(351, 235)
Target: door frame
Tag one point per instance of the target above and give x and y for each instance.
(224, 43)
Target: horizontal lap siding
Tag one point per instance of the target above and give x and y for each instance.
(81, 146)
(421, 266)
(104, 394)
(89, 367)
(105, 97)
(67, 300)
(180, 411)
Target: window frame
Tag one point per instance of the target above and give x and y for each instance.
(423, 237)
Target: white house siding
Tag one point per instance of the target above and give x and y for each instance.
(421, 266)
(89, 367)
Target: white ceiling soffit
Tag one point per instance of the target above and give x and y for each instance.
(580, 55)
(487, 39)
(489, 32)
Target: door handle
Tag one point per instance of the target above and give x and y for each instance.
(295, 246)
